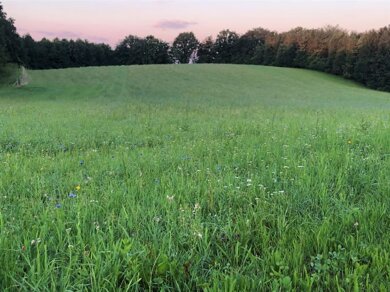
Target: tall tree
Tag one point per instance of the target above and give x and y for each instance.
(10, 44)
(183, 47)
(206, 52)
(248, 44)
(226, 46)
(134, 50)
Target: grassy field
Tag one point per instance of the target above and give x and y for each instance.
(203, 177)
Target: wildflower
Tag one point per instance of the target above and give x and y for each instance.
(35, 241)
(349, 141)
(196, 208)
(198, 234)
(248, 180)
(58, 205)
(170, 198)
(356, 224)
(81, 162)
(78, 187)
(157, 219)
(72, 195)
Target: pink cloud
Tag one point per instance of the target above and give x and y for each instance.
(174, 24)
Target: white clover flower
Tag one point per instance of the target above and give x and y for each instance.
(198, 234)
(35, 241)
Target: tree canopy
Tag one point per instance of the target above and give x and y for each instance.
(183, 46)
(10, 46)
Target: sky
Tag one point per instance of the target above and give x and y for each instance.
(109, 21)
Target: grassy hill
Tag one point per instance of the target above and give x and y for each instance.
(194, 177)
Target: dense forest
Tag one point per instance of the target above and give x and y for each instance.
(364, 57)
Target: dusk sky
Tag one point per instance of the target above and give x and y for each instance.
(111, 20)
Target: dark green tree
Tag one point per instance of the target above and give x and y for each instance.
(225, 47)
(10, 44)
(248, 44)
(183, 47)
(206, 52)
(285, 55)
(134, 50)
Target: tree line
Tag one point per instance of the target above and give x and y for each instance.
(364, 57)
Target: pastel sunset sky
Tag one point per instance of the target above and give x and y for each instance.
(111, 20)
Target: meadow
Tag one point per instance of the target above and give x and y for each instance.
(194, 177)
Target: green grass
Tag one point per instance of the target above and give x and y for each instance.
(203, 177)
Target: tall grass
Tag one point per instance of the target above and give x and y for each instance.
(194, 178)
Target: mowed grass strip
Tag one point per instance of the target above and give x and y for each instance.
(213, 177)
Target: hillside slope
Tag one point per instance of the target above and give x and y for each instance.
(203, 177)
(198, 84)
